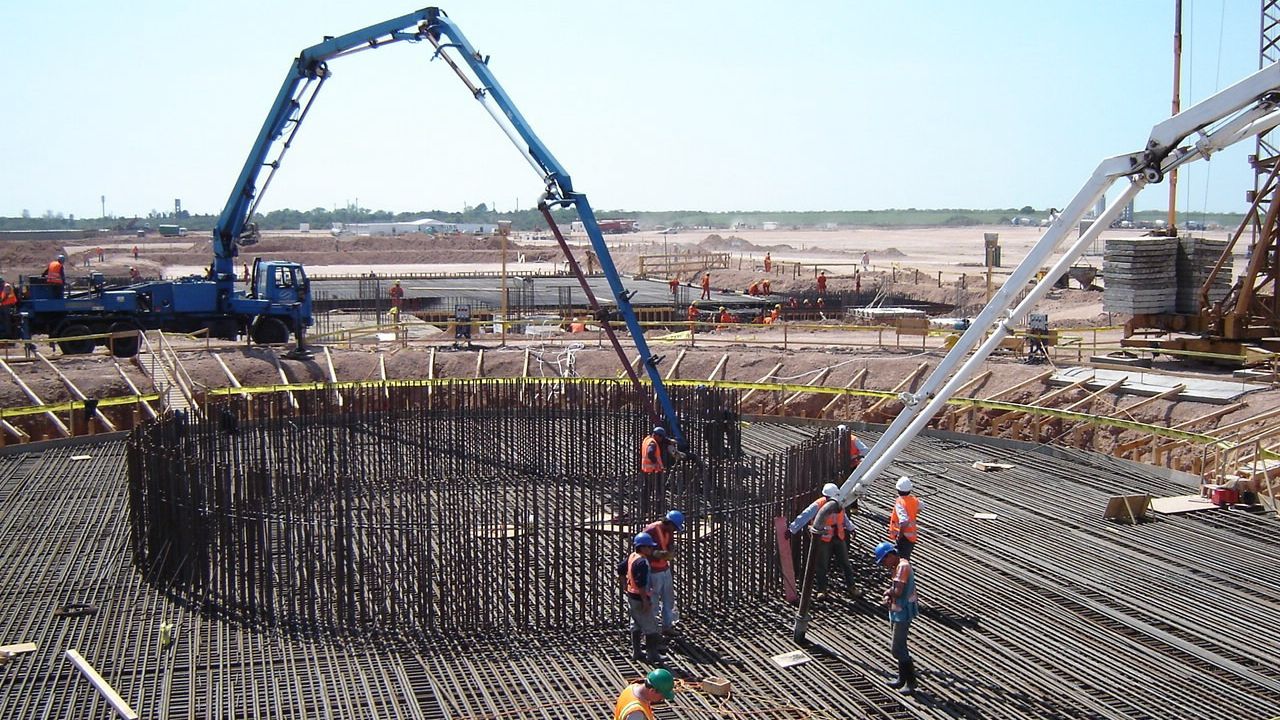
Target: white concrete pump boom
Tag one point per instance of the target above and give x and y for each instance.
(1241, 111)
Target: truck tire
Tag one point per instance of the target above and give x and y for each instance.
(124, 347)
(76, 347)
(270, 331)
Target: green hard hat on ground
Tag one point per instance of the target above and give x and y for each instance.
(662, 681)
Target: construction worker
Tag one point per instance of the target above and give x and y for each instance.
(635, 572)
(637, 699)
(55, 274)
(902, 521)
(135, 252)
(768, 263)
(102, 257)
(904, 606)
(764, 287)
(577, 326)
(655, 451)
(692, 315)
(822, 282)
(397, 294)
(8, 307)
(754, 288)
(245, 275)
(706, 287)
(134, 275)
(725, 318)
(857, 448)
(830, 538)
(674, 284)
(661, 589)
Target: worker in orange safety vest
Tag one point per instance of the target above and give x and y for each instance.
(831, 539)
(634, 572)
(656, 451)
(637, 699)
(8, 307)
(56, 273)
(822, 283)
(857, 448)
(661, 588)
(903, 530)
(768, 263)
(706, 287)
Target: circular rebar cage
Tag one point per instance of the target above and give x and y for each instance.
(449, 507)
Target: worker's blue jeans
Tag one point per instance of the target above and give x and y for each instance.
(899, 648)
(661, 591)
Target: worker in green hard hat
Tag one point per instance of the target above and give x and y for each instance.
(637, 699)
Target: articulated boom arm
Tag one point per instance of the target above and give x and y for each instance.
(1241, 111)
(445, 35)
(303, 81)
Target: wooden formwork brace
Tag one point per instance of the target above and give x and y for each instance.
(1042, 402)
(1025, 383)
(1171, 392)
(284, 380)
(480, 364)
(75, 392)
(950, 417)
(35, 399)
(906, 382)
(675, 366)
(719, 368)
(1133, 446)
(1088, 399)
(382, 375)
(1246, 422)
(146, 405)
(1225, 410)
(857, 379)
(816, 382)
(768, 377)
(333, 375)
(231, 377)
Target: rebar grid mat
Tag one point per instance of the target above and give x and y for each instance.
(408, 513)
(1046, 612)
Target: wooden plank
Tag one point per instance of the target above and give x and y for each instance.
(231, 377)
(719, 368)
(35, 400)
(1175, 390)
(146, 405)
(284, 380)
(13, 431)
(816, 381)
(333, 375)
(675, 366)
(1225, 410)
(788, 565)
(1030, 381)
(1247, 421)
(832, 403)
(107, 692)
(898, 388)
(1041, 401)
(480, 364)
(768, 376)
(75, 392)
(1129, 508)
(18, 649)
(1094, 395)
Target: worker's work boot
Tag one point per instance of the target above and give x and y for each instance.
(854, 593)
(637, 651)
(901, 680)
(910, 686)
(654, 644)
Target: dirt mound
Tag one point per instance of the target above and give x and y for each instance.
(890, 252)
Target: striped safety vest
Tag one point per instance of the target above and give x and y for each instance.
(649, 447)
(629, 702)
(835, 523)
(903, 519)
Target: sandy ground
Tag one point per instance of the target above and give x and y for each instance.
(897, 253)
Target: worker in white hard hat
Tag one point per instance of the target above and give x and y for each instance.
(903, 530)
(857, 448)
(831, 538)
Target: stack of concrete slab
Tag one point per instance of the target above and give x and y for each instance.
(1196, 258)
(1140, 275)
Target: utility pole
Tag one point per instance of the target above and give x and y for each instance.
(1172, 229)
(103, 198)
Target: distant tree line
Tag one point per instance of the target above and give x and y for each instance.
(531, 220)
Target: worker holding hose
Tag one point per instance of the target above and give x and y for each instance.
(830, 537)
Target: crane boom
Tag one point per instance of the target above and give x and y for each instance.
(1234, 114)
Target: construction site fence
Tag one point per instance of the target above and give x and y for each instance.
(411, 512)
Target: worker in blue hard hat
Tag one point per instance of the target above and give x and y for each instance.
(637, 699)
(661, 587)
(904, 606)
(634, 571)
(657, 452)
(836, 530)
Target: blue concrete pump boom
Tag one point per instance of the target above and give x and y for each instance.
(304, 80)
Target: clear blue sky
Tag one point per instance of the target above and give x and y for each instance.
(724, 105)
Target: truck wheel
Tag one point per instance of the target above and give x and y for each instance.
(124, 347)
(270, 331)
(76, 347)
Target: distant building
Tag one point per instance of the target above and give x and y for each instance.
(406, 227)
(768, 225)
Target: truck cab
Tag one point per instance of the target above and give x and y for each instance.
(280, 298)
